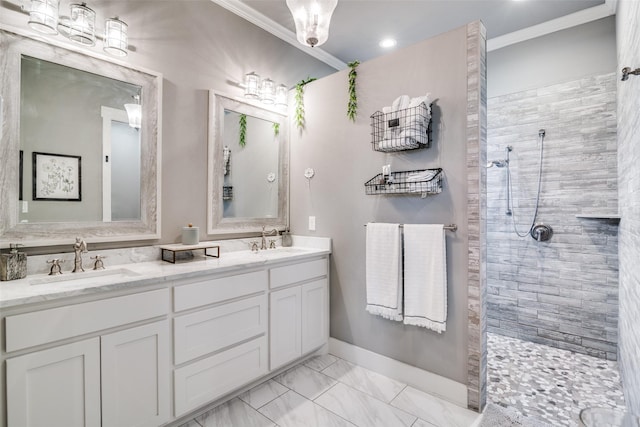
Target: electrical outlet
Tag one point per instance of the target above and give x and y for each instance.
(25, 207)
(312, 223)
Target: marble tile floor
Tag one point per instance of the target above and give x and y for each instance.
(547, 383)
(326, 391)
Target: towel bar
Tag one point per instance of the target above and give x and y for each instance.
(450, 227)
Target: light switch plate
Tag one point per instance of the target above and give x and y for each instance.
(312, 223)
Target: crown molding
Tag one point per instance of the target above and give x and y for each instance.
(269, 25)
(608, 8)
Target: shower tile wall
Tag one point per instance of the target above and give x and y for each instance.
(628, 24)
(562, 292)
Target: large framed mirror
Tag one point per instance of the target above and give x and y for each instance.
(248, 167)
(72, 163)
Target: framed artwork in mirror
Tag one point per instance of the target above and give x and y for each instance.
(56, 177)
(20, 172)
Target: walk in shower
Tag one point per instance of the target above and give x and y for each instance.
(552, 163)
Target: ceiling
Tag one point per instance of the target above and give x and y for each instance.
(357, 26)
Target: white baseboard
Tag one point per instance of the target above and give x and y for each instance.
(426, 381)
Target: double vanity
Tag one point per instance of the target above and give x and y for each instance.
(153, 343)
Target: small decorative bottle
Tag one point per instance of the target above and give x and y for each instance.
(14, 264)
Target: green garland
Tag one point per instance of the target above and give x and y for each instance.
(299, 116)
(352, 106)
(243, 130)
(276, 129)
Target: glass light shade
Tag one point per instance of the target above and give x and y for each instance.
(267, 92)
(134, 111)
(43, 16)
(252, 85)
(116, 40)
(281, 96)
(82, 25)
(312, 18)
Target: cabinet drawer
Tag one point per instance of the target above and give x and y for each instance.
(220, 289)
(206, 331)
(215, 376)
(41, 327)
(285, 275)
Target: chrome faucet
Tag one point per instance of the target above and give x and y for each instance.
(263, 244)
(79, 247)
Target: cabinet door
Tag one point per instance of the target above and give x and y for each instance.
(315, 317)
(284, 315)
(58, 387)
(135, 376)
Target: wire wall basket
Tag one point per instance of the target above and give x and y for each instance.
(423, 182)
(401, 130)
(227, 192)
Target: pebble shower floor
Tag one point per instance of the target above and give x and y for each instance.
(547, 383)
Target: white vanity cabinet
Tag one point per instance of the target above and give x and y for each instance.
(113, 379)
(298, 310)
(153, 357)
(55, 387)
(221, 345)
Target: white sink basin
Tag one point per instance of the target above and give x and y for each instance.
(93, 276)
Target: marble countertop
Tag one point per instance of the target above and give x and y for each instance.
(41, 287)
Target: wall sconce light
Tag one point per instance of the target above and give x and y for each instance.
(264, 90)
(79, 26)
(281, 96)
(267, 92)
(82, 24)
(134, 112)
(43, 16)
(312, 19)
(252, 85)
(116, 40)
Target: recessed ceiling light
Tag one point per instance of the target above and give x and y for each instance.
(387, 43)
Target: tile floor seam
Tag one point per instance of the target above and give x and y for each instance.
(372, 397)
(398, 394)
(327, 409)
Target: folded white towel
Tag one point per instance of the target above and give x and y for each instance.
(425, 276)
(400, 103)
(397, 143)
(384, 270)
(421, 176)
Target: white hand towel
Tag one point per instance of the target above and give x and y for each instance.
(425, 276)
(384, 270)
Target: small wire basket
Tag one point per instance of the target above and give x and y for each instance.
(407, 129)
(423, 182)
(227, 192)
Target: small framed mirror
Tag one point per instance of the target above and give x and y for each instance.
(70, 151)
(248, 167)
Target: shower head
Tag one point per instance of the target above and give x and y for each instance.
(542, 132)
(497, 163)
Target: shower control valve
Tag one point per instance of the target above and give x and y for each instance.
(541, 232)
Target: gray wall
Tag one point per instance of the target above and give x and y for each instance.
(566, 55)
(198, 46)
(563, 292)
(341, 154)
(628, 21)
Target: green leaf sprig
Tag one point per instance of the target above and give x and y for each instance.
(299, 115)
(276, 129)
(352, 106)
(243, 130)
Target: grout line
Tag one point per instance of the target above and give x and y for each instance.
(398, 394)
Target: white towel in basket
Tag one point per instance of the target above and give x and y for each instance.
(384, 270)
(425, 276)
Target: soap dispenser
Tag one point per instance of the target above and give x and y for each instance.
(14, 264)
